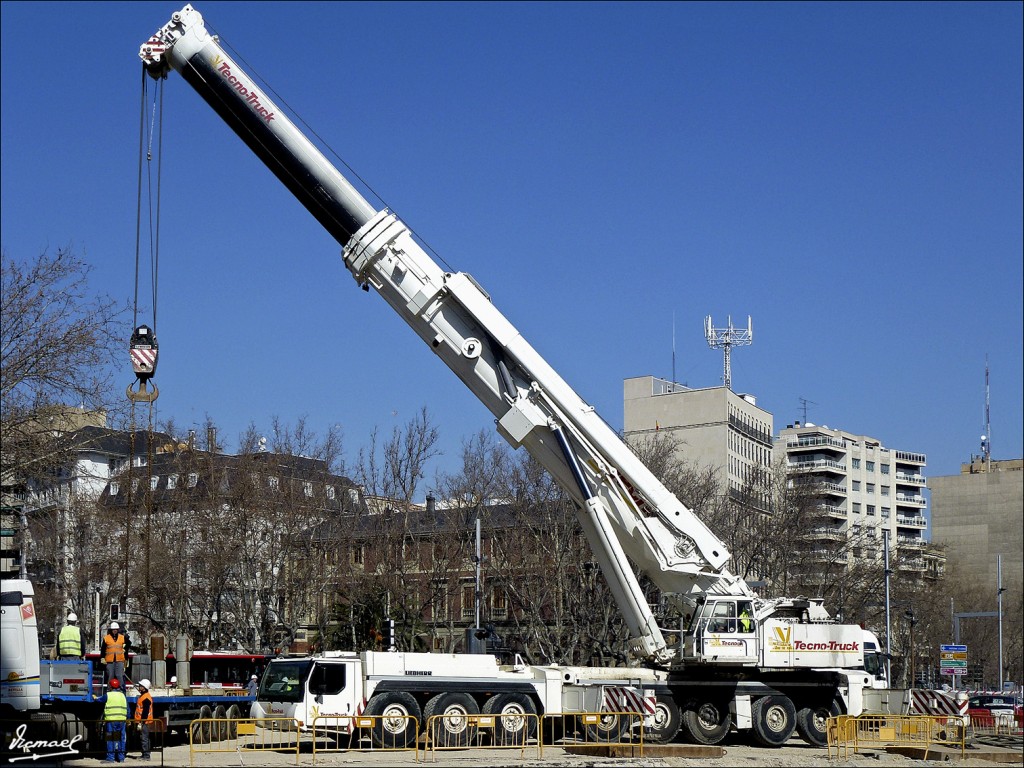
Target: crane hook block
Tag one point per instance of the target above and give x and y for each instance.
(143, 395)
(144, 352)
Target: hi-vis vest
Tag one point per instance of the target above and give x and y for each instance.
(116, 707)
(113, 649)
(144, 707)
(70, 641)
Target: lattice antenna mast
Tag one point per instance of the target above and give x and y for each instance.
(986, 439)
(725, 339)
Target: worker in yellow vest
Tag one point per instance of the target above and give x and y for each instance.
(71, 641)
(115, 653)
(115, 717)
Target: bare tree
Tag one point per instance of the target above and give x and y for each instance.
(58, 343)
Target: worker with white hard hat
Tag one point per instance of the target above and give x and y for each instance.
(115, 653)
(71, 641)
(144, 715)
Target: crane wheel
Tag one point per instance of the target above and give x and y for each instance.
(774, 720)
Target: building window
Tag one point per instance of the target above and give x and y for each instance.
(273, 483)
(885, 513)
(856, 507)
(871, 466)
(885, 469)
(885, 490)
(154, 482)
(855, 463)
(172, 482)
(307, 488)
(115, 488)
(193, 479)
(856, 485)
(468, 601)
(357, 554)
(871, 510)
(330, 492)
(871, 487)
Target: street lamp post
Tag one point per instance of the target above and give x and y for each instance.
(913, 622)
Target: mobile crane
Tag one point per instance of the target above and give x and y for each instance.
(743, 661)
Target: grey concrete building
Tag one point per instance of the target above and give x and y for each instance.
(977, 515)
(712, 427)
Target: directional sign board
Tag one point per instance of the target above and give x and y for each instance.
(953, 659)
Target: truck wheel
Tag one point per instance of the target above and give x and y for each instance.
(396, 716)
(609, 728)
(706, 722)
(220, 728)
(201, 731)
(451, 726)
(667, 720)
(234, 714)
(811, 723)
(515, 720)
(774, 720)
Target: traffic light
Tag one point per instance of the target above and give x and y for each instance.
(114, 609)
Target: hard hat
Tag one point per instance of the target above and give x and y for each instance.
(72, 617)
(254, 677)
(144, 683)
(173, 679)
(114, 625)
(115, 683)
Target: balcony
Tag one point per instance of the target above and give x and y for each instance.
(833, 511)
(918, 521)
(915, 564)
(816, 441)
(827, 465)
(834, 489)
(913, 458)
(910, 542)
(827, 533)
(903, 477)
(902, 498)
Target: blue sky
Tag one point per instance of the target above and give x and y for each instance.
(850, 175)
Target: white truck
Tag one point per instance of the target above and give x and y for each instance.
(394, 691)
(785, 667)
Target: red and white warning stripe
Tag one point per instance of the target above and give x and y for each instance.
(143, 360)
(628, 699)
(924, 702)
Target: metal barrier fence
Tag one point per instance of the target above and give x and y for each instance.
(366, 733)
(264, 734)
(845, 732)
(488, 731)
(623, 728)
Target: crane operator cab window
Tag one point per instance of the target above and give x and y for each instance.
(746, 617)
(722, 617)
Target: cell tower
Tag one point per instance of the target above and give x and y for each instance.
(986, 439)
(725, 339)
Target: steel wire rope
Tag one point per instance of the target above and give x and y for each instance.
(325, 144)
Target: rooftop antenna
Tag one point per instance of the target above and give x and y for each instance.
(986, 438)
(725, 339)
(673, 350)
(804, 402)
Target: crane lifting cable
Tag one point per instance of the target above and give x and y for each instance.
(143, 345)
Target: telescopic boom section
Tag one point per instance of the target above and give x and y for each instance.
(624, 510)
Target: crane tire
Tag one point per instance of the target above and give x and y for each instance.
(219, 730)
(234, 714)
(515, 718)
(774, 720)
(667, 720)
(447, 717)
(706, 722)
(811, 723)
(395, 716)
(201, 730)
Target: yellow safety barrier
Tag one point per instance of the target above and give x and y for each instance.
(366, 733)
(490, 731)
(594, 729)
(879, 731)
(241, 735)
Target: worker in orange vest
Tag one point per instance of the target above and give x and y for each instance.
(115, 653)
(144, 715)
